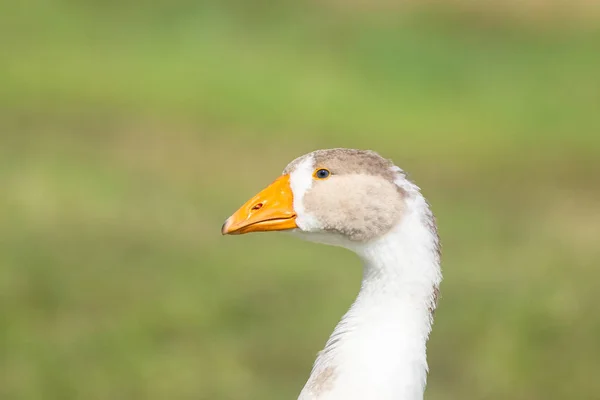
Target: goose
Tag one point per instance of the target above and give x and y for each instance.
(361, 201)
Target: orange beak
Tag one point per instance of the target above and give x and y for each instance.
(270, 210)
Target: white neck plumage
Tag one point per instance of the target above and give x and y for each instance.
(378, 350)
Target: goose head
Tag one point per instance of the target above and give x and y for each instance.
(342, 197)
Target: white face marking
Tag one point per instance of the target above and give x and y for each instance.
(301, 181)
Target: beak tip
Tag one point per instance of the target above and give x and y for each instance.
(224, 228)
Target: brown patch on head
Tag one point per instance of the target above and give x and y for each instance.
(361, 207)
(359, 199)
(321, 382)
(350, 161)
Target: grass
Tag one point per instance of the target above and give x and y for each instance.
(129, 133)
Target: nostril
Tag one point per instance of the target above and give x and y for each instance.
(257, 206)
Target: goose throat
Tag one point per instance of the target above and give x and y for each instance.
(378, 349)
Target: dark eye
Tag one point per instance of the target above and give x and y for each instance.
(322, 173)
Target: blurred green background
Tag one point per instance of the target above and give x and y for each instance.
(130, 130)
